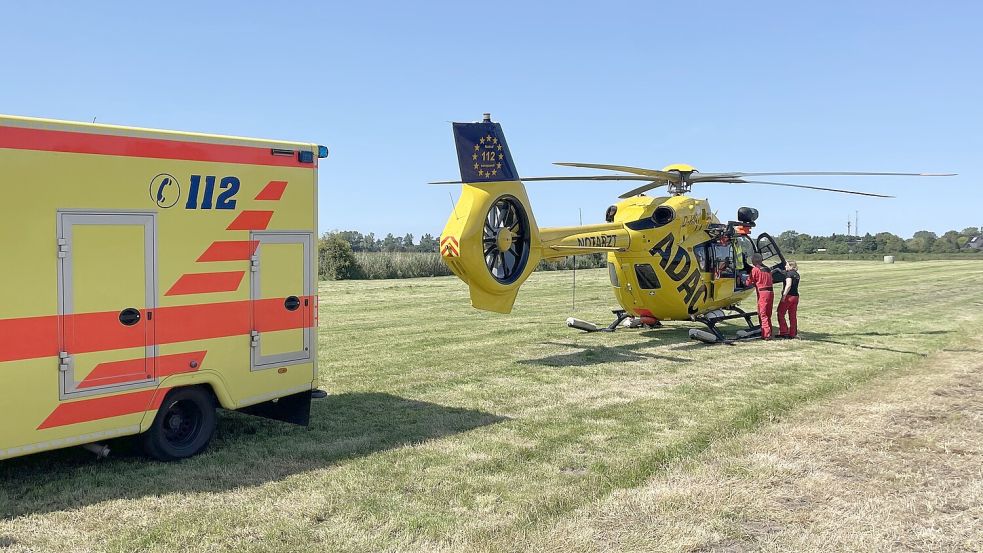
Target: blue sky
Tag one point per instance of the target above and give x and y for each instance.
(727, 86)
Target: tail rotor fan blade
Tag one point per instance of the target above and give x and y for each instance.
(505, 266)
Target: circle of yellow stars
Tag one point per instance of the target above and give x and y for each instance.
(490, 142)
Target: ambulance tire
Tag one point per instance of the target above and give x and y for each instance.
(183, 426)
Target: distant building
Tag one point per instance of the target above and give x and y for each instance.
(975, 243)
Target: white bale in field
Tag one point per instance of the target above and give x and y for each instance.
(888, 259)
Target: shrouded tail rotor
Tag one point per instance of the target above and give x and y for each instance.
(505, 239)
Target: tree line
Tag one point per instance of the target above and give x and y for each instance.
(923, 241)
(790, 241)
(350, 254)
(369, 243)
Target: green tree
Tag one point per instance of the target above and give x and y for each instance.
(807, 243)
(353, 237)
(428, 243)
(336, 258)
(889, 243)
(788, 241)
(947, 243)
(390, 243)
(867, 244)
(926, 239)
(369, 243)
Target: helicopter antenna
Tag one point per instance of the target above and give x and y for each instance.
(573, 304)
(453, 206)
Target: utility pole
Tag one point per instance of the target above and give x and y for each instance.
(856, 222)
(848, 226)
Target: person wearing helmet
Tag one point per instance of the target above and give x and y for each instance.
(760, 278)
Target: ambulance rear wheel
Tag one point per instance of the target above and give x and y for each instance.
(183, 427)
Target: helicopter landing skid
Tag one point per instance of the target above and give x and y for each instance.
(620, 316)
(713, 335)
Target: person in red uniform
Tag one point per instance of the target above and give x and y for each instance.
(789, 304)
(760, 278)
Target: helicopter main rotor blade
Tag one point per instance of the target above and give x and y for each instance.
(567, 177)
(588, 177)
(709, 177)
(741, 181)
(641, 189)
(655, 174)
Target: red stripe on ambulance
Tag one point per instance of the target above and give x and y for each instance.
(272, 191)
(251, 220)
(206, 283)
(129, 370)
(37, 337)
(230, 250)
(86, 410)
(29, 338)
(46, 140)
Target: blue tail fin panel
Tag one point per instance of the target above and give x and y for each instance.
(482, 153)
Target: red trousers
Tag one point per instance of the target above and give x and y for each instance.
(789, 305)
(766, 299)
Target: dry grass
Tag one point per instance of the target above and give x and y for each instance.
(894, 467)
(451, 429)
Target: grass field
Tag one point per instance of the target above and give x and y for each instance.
(450, 429)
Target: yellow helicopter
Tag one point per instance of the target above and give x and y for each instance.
(669, 257)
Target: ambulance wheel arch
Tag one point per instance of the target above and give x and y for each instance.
(209, 381)
(183, 426)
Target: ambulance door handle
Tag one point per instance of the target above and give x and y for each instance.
(254, 339)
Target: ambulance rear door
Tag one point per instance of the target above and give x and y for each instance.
(281, 291)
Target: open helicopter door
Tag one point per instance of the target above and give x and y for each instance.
(771, 256)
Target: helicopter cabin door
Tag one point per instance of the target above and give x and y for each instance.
(771, 256)
(722, 269)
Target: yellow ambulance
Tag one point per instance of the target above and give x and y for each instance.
(147, 278)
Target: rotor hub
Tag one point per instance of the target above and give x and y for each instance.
(503, 239)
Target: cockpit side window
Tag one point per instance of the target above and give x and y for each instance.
(745, 248)
(647, 280)
(613, 275)
(702, 253)
(723, 260)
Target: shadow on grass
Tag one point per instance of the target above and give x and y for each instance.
(586, 354)
(828, 338)
(246, 451)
